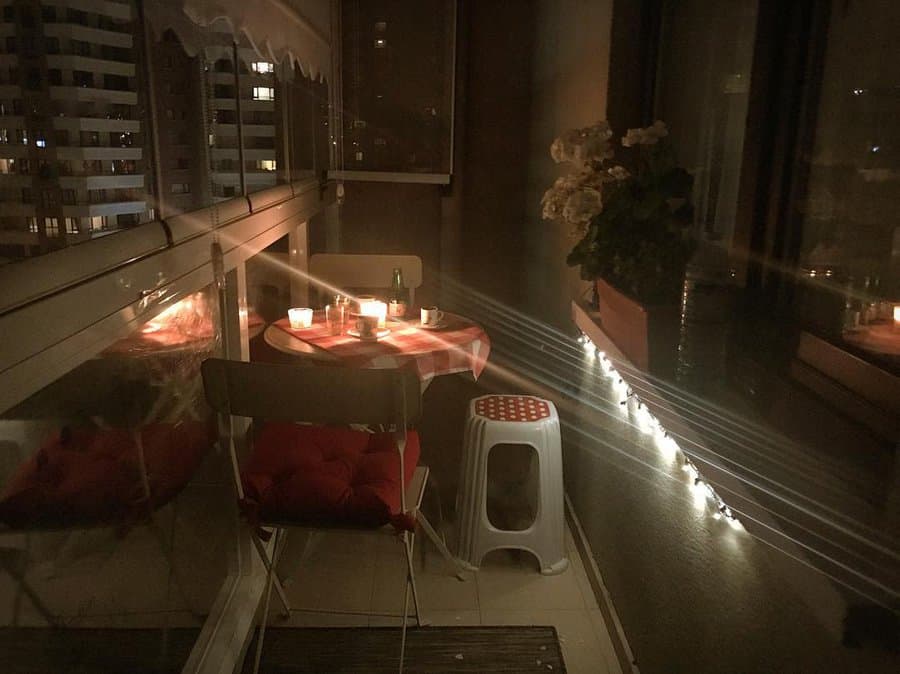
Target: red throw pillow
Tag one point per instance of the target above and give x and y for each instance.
(327, 474)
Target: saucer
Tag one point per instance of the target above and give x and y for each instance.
(440, 325)
(384, 332)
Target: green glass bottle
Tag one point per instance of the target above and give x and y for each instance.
(399, 297)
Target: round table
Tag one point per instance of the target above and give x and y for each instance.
(459, 345)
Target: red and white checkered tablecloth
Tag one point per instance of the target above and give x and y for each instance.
(462, 346)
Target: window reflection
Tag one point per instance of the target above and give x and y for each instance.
(848, 236)
(106, 477)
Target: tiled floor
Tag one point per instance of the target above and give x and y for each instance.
(352, 579)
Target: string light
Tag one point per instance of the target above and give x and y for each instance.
(705, 497)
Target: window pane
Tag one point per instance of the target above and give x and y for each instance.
(184, 123)
(117, 511)
(398, 80)
(72, 121)
(263, 112)
(703, 84)
(848, 216)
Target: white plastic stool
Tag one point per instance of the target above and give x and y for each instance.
(521, 420)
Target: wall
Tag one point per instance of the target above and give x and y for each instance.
(569, 84)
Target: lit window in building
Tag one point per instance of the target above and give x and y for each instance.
(181, 188)
(7, 166)
(71, 226)
(262, 67)
(98, 223)
(22, 136)
(263, 93)
(32, 224)
(4, 136)
(266, 164)
(380, 43)
(40, 142)
(51, 226)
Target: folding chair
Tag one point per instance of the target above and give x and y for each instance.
(325, 397)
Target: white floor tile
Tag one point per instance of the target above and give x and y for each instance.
(606, 645)
(503, 585)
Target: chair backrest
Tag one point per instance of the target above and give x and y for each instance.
(365, 271)
(324, 395)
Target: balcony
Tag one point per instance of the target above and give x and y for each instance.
(101, 124)
(93, 94)
(736, 512)
(110, 8)
(100, 182)
(92, 35)
(93, 65)
(98, 152)
(110, 208)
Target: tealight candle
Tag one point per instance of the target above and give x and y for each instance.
(300, 318)
(381, 312)
(374, 308)
(897, 316)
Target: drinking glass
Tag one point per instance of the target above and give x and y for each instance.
(336, 318)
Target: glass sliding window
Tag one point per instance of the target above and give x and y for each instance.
(263, 115)
(310, 152)
(398, 72)
(844, 225)
(74, 106)
(702, 92)
(184, 104)
(114, 512)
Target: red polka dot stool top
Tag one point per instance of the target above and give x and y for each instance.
(512, 408)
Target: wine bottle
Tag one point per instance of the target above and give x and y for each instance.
(399, 297)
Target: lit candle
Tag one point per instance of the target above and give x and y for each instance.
(300, 318)
(374, 308)
(897, 316)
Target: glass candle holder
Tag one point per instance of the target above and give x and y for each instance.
(336, 318)
(300, 317)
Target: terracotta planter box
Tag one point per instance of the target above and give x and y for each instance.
(646, 335)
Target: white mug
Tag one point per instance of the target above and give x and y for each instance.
(431, 316)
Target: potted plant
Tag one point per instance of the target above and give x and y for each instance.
(632, 220)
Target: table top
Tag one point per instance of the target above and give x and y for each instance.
(460, 345)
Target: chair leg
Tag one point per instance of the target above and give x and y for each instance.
(270, 574)
(279, 588)
(410, 546)
(407, 539)
(436, 539)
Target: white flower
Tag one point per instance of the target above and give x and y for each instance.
(658, 129)
(580, 146)
(582, 206)
(647, 136)
(618, 172)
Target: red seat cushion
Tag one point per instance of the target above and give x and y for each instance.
(327, 474)
(87, 476)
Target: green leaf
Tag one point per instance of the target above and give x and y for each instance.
(676, 184)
